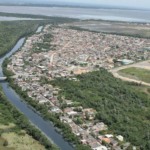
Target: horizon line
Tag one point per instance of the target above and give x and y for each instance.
(73, 5)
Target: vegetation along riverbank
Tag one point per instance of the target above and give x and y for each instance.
(16, 132)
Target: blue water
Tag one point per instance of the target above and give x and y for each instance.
(46, 127)
(82, 13)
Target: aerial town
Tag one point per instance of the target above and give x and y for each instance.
(58, 51)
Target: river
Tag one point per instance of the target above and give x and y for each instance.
(45, 126)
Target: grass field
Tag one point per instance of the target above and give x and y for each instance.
(2, 147)
(8, 126)
(22, 141)
(136, 73)
(12, 137)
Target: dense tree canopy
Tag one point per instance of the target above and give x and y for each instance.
(11, 32)
(122, 108)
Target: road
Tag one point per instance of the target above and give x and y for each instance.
(52, 56)
(143, 65)
(51, 59)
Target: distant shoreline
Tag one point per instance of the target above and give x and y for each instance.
(119, 15)
(74, 6)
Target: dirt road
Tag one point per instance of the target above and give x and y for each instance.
(143, 65)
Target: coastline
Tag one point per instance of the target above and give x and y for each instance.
(85, 13)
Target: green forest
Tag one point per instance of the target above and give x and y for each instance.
(66, 131)
(43, 110)
(11, 32)
(63, 128)
(125, 110)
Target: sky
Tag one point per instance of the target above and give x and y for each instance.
(123, 3)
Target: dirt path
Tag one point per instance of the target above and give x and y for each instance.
(52, 56)
(143, 65)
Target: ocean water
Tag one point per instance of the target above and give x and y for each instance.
(82, 13)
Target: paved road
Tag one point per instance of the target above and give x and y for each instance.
(144, 65)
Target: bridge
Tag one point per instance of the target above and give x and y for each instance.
(3, 78)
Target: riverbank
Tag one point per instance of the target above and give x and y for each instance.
(45, 126)
(42, 110)
(19, 124)
(15, 30)
(23, 122)
(20, 29)
(70, 96)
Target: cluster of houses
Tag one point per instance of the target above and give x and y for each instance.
(91, 132)
(88, 49)
(76, 52)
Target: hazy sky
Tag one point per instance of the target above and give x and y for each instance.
(130, 3)
(126, 3)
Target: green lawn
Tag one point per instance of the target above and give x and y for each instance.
(137, 73)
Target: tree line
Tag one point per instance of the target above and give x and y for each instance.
(125, 110)
(21, 121)
(43, 110)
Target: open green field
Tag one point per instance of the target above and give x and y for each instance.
(18, 141)
(11, 136)
(22, 140)
(136, 73)
(17, 133)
